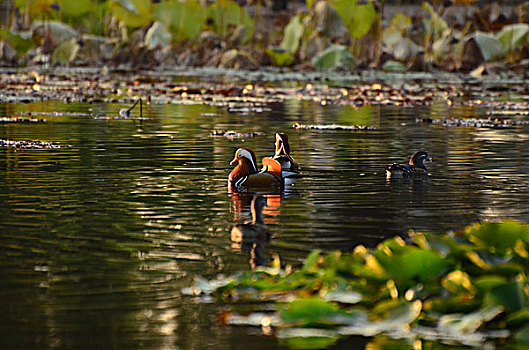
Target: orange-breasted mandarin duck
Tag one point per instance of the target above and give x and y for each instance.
(289, 166)
(245, 176)
(414, 169)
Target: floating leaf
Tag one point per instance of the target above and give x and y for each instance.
(308, 338)
(336, 56)
(497, 237)
(510, 295)
(458, 324)
(313, 312)
(357, 17)
(409, 264)
(458, 282)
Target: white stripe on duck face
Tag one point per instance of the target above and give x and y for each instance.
(244, 153)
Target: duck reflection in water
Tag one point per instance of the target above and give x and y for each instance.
(253, 235)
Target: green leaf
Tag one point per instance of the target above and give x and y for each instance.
(396, 29)
(184, 19)
(488, 44)
(486, 283)
(509, 295)
(497, 237)
(518, 318)
(464, 325)
(66, 52)
(522, 335)
(312, 311)
(280, 57)
(75, 8)
(336, 56)
(409, 264)
(157, 36)
(19, 41)
(59, 31)
(227, 15)
(293, 33)
(134, 13)
(513, 37)
(436, 24)
(393, 66)
(357, 18)
(303, 338)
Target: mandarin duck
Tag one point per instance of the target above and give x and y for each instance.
(289, 166)
(246, 175)
(415, 168)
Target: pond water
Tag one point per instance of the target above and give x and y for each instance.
(98, 239)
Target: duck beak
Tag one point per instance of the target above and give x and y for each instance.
(430, 159)
(234, 161)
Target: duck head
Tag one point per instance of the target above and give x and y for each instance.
(282, 144)
(418, 158)
(247, 164)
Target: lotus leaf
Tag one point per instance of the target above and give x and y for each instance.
(293, 33)
(336, 56)
(498, 237)
(358, 18)
(226, 14)
(313, 311)
(134, 13)
(157, 36)
(280, 57)
(458, 282)
(327, 21)
(59, 31)
(396, 29)
(75, 8)
(513, 36)
(509, 294)
(410, 265)
(184, 19)
(66, 52)
(308, 338)
(518, 318)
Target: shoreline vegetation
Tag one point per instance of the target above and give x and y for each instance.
(461, 288)
(344, 35)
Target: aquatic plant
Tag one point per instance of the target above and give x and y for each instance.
(469, 288)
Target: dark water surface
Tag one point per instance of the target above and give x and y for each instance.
(97, 240)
